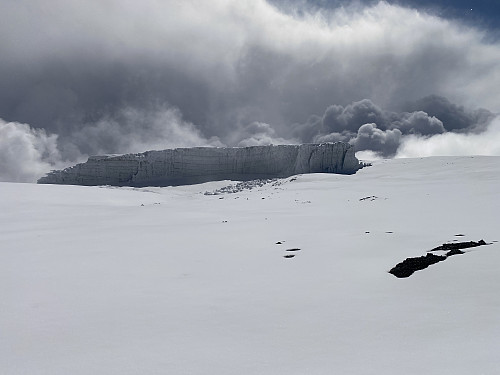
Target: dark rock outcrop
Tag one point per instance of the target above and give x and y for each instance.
(410, 265)
(459, 245)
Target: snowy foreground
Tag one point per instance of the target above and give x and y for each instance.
(100, 280)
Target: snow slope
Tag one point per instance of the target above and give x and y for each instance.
(101, 280)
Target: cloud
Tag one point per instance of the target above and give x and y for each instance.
(383, 142)
(453, 116)
(26, 153)
(261, 134)
(419, 122)
(223, 62)
(133, 130)
(337, 118)
(453, 144)
(115, 76)
(369, 127)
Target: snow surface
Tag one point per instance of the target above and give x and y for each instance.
(101, 280)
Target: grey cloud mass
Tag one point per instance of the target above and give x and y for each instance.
(369, 127)
(108, 76)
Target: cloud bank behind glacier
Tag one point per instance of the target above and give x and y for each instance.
(115, 76)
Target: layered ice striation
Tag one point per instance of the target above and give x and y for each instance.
(182, 166)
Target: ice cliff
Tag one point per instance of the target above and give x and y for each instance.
(201, 164)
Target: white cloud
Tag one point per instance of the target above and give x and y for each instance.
(453, 144)
(261, 134)
(26, 153)
(133, 130)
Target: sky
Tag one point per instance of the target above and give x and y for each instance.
(482, 13)
(395, 79)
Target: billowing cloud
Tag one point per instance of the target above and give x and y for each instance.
(261, 134)
(116, 76)
(337, 118)
(419, 122)
(26, 153)
(369, 127)
(453, 144)
(383, 142)
(453, 116)
(138, 129)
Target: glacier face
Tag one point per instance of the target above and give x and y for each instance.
(184, 166)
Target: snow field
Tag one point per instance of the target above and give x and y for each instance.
(171, 281)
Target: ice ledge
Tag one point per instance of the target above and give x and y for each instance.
(182, 166)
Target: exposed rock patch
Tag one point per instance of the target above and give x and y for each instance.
(244, 185)
(459, 245)
(410, 265)
(370, 198)
(454, 252)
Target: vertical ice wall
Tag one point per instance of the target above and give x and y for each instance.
(200, 164)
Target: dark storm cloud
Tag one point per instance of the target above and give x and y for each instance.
(337, 118)
(418, 122)
(453, 116)
(369, 137)
(369, 127)
(113, 76)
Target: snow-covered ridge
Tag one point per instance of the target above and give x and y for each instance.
(201, 164)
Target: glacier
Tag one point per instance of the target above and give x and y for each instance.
(184, 166)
